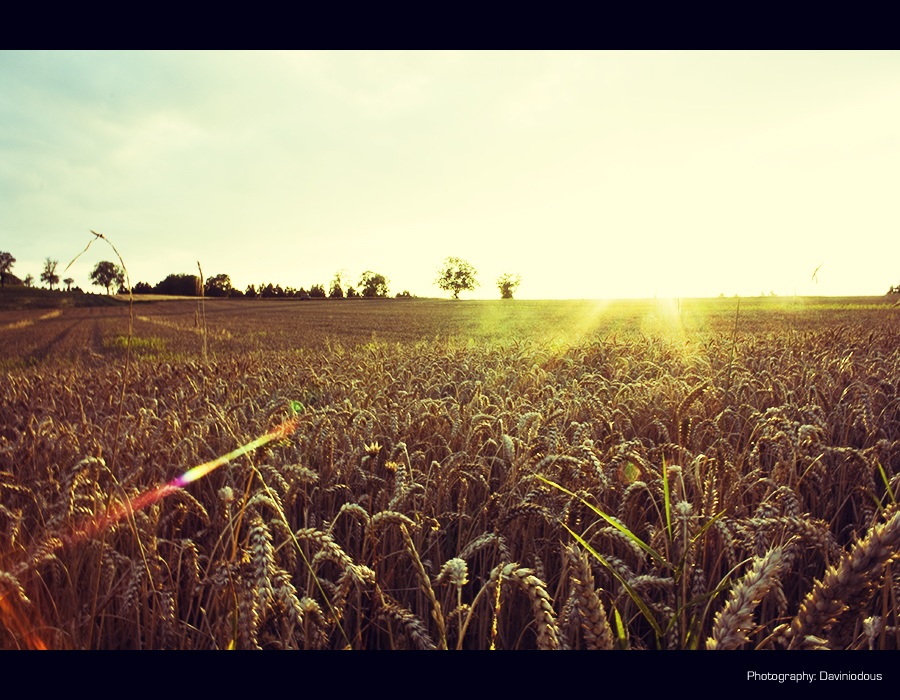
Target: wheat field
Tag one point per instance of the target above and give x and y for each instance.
(706, 474)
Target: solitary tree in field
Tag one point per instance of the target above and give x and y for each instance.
(373, 284)
(49, 274)
(29, 280)
(68, 282)
(455, 276)
(6, 263)
(508, 284)
(105, 274)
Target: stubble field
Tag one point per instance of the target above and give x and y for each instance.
(431, 474)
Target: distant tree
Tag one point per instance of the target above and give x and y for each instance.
(218, 286)
(508, 285)
(337, 288)
(29, 280)
(352, 293)
(179, 285)
(106, 274)
(6, 263)
(404, 295)
(373, 284)
(68, 282)
(279, 292)
(267, 291)
(49, 274)
(455, 276)
(317, 291)
(250, 292)
(142, 288)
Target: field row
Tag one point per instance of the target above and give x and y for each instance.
(186, 329)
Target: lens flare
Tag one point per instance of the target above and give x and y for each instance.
(119, 511)
(15, 623)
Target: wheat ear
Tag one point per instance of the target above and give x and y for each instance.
(547, 627)
(594, 625)
(414, 627)
(846, 586)
(735, 620)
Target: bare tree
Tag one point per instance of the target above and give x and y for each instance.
(337, 286)
(49, 274)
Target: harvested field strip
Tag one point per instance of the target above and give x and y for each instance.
(24, 323)
(220, 334)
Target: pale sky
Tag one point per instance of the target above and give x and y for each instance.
(590, 174)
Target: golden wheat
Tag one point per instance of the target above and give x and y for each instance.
(417, 474)
(845, 588)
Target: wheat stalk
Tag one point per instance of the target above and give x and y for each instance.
(425, 584)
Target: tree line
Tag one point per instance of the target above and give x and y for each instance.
(455, 276)
(371, 285)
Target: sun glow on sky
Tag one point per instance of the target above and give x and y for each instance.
(590, 174)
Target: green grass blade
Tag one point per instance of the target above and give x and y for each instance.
(887, 483)
(667, 501)
(621, 632)
(642, 606)
(656, 556)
